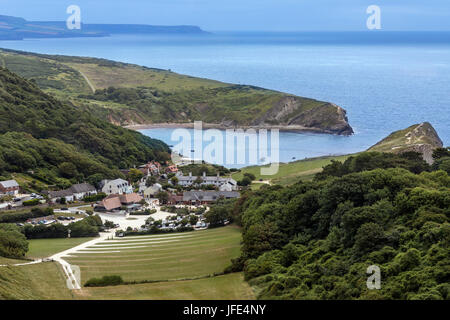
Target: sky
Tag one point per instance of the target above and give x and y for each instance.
(245, 15)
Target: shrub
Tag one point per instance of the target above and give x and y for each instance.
(95, 197)
(30, 203)
(15, 217)
(104, 281)
(13, 244)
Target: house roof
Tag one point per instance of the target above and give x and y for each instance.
(111, 202)
(115, 201)
(207, 179)
(209, 195)
(130, 198)
(175, 198)
(59, 194)
(9, 184)
(82, 187)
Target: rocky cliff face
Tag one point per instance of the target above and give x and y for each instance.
(291, 112)
(421, 138)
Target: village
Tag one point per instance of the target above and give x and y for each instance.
(153, 198)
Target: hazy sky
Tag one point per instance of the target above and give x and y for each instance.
(264, 15)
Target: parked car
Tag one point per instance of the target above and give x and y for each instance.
(64, 209)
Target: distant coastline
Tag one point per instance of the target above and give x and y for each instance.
(15, 28)
(190, 125)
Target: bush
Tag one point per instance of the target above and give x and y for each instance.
(13, 243)
(143, 213)
(104, 281)
(95, 197)
(14, 217)
(30, 203)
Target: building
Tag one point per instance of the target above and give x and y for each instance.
(172, 169)
(174, 199)
(56, 196)
(151, 168)
(130, 202)
(75, 192)
(226, 184)
(82, 190)
(9, 187)
(205, 197)
(118, 186)
(152, 191)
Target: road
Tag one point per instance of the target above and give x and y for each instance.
(88, 81)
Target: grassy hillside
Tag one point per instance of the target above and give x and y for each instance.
(56, 140)
(44, 281)
(128, 94)
(421, 138)
(44, 248)
(226, 287)
(289, 173)
(161, 257)
(194, 256)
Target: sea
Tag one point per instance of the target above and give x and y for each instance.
(385, 80)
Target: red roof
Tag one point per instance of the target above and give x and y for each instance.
(115, 201)
(130, 198)
(112, 202)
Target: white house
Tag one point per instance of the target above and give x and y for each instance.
(82, 190)
(9, 187)
(227, 184)
(75, 192)
(118, 186)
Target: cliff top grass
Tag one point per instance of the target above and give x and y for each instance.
(127, 94)
(290, 173)
(422, 133)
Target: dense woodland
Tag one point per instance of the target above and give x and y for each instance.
(315, 240)
(60, 143)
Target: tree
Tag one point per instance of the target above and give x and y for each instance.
(163, 197)
(174, 180)
(441, 153)
(251, 176)
(246, 181)
(193, 219)
(150, 181)
(135, 175)
(13, 243)
(68, 169)
(198, 180)
(370, 237)
(217, 215)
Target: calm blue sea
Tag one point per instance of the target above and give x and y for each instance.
(385, 81)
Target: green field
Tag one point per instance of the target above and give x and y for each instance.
(8, 261)
(42, 248)
(182, 264)
(182, 256)
(291, 172)
(43, 281)
(226, 287)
